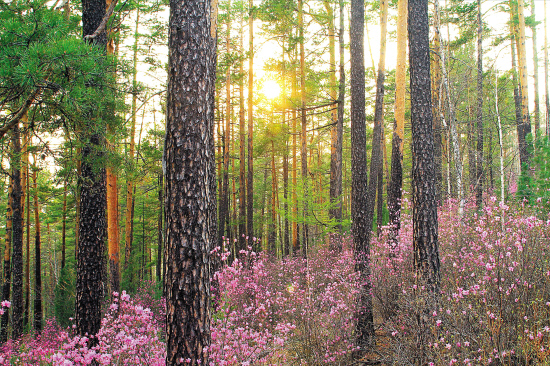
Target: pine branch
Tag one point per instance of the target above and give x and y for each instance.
(103, 23)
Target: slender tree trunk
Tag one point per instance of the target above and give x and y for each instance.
(436, 106)
(242, 156)
(6, 286)
(361, 227)
(17, 237)
(546, 89)
(64, 226)
(479, 163)
(395, 188)
(335, 190)
(305, 180)
(295, 237)
(160, 229)
(286, 237)
(25, 207)
(472, 173)
(425, 236)
(535, 70)
(250, 177)
(500, 143)
(452, 119)
(272, 237)
(190, 203)
(517, 101)
(130, 186)
(224, 230)
(37, 259)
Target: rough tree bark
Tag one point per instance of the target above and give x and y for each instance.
(425, 228)
(361, 228)
(190, 182)
(6, 286)
(17, 236)
(92, 224)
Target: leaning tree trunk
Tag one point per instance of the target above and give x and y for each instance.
(361, 227)
(92, 224)
(190, 200)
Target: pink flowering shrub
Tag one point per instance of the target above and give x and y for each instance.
(290, 311)
(129, 335)
(493, 307)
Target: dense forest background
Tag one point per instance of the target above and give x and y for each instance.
(282, 133)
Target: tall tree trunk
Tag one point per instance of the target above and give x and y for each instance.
(130, 185)
(535, 70)
(272, 237)
(546, 89)
(395, 190)
(112, 207)
(335, 190)
(479, 163)
(25, 207)
(286, 237)
(376, 168)
(361, 227)
(242, 157)
(376, 154)
(190, 202)
(500, 144)
(452, 118)
(92, 225)
(305, 180)
(295, 238)
(436, 106)
(17, 236)
(425, 231)
(224, 230)
(517, 99)
(250, 176)
(6, 286)
(524, 94)
(37, 258)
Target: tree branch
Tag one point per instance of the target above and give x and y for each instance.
(17, 117)
(103, 23)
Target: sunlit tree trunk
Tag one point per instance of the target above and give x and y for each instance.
(395, 191)
(524, 94)
(64, 226)
(436, 106)
(250, 176)
(25, 207)
(303, 153)
(535, 70)
(295, 238)
(242, 157)
(224, 194)
(361, 227)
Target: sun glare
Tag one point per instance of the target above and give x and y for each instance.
(271, 89)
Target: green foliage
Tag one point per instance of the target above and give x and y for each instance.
(65, 294)
(534, 182)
